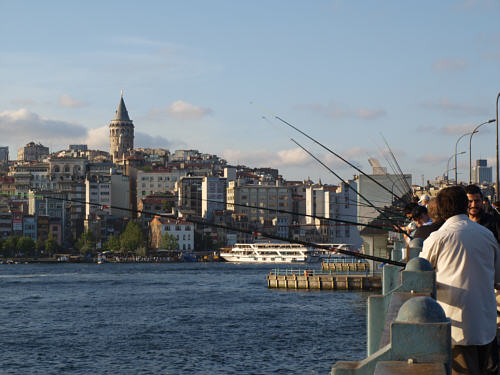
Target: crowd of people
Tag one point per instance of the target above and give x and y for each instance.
(461, 233)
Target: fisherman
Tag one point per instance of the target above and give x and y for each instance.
(496, 207)
(426, 224)
(424, 200)
(466, 258)
(412, 226)
(477, 212)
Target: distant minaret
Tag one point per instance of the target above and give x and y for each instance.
(121, 133)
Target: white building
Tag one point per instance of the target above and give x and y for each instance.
(97, 196)
(481, 173)
(337, 203)
(157, 181)
(396, 185)
(182, 231)
(213, 190)
(269, 203)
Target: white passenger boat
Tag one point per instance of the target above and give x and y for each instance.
(271, 252)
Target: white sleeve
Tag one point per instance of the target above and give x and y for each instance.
(430, 250)
(497, 263)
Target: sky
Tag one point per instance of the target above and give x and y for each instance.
(213, 76)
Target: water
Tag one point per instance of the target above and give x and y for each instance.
(187, 318)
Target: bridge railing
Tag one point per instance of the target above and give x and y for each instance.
(402, 328)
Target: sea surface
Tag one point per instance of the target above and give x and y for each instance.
(177, 318)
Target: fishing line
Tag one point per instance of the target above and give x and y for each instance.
(396, 225)
(190, 219)
(329, 150)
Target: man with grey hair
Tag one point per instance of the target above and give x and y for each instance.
(466, 258)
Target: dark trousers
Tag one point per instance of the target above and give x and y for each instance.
(475, 359)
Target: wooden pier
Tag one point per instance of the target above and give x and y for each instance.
(324, 281)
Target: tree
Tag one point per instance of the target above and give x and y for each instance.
(169, 242)
(40, 246)
(86, 243)
(112, 244)
(132, 238)
(51, 245)
(25, 246)
(10, 245)
(168, 205)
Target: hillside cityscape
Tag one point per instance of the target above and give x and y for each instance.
(139, 201)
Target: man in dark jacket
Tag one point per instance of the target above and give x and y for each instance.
(477, 212)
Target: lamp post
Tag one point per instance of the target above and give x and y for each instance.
(497, 185)
(448, 164)
(456, 145)
(470, 146)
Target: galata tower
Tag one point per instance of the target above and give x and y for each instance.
(121, 133)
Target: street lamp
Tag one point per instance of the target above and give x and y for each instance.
(456, 145)
(448, 164)
(497, 186)
(470, 147)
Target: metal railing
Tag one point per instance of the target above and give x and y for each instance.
(343, 260)
(316, 272)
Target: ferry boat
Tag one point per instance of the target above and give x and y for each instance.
(271, 252)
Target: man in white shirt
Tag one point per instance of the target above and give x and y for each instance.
(466, 258)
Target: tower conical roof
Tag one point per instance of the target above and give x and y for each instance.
(121, 112)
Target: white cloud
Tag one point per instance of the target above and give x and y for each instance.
(98, 138)
(287, 158)
(334, 111)
(457, 129)
(449, 65)
(432, 159)
(18, 125)
(446, 105)
(66, 100)
(147, 140)
(20, 102)
(22, 126)
(370, 114)
(182, 110)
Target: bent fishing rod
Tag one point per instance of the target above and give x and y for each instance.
(333, 153)
(396, 225)
(193, 220)
(277, 210)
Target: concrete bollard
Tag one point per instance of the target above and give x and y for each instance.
(420, 341)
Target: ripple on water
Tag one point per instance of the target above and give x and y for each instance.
(171, 319)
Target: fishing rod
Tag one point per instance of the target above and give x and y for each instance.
(396, 226)
(277, 210)
(397, 165)
(333, 153)
(193, 220)
(394, 185)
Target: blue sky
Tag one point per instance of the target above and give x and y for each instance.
(419, 73)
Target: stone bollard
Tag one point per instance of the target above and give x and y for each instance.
(415, 246)
(419, 341)
(418, 278)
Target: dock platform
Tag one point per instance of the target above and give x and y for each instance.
(321, 280)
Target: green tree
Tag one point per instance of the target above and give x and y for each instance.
(132, 238)
(51, 246)
(112, 244)
(26, 246)
(86, 243)
(167, 205)
(10, 245)
(141, 251)
(169, 242)
(40, 246)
